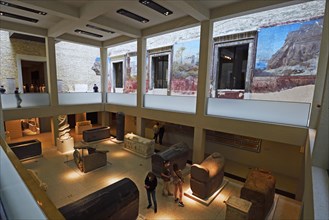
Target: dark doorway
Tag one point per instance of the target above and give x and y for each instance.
(93, 117)
(71, 120)
(33, 75)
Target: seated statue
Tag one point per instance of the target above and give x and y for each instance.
(207, 177)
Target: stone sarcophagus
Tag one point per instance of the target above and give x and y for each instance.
(96, 134)
(119, 200)
(259, 189)
(26, 149)
(177, 153)
(207, 177)
(139, 145)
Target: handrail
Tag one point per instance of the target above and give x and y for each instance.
(41, 198)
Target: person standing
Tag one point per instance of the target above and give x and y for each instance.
(178, 182)
(161, 132)
(156, 132)
(18, 98)
(95, 88)
(150, 186)
(165, 175)
(2, 90)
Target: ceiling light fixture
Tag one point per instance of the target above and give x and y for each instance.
(155, 6)
(100, 29)
(22, 8)
(87, 33)
(10, 15)
(132, 15)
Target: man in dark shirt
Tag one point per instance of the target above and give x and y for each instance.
(165, 175)
(150, 186)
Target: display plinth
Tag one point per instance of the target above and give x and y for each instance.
(237, 208)
(207, 201)
(65, 145)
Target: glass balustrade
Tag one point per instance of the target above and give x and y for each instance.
(28, 100)
(291, 113)
(129, 99)
(18, 202)
(171, 103)
(76, 98)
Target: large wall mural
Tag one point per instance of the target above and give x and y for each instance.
(287, 59)
(185, 68)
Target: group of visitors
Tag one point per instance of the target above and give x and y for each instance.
(167, 175)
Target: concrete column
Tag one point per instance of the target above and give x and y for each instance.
(199, 140)
(2, 127)
(51, 71)
(141, 84)
(199, 145)
(104, 118)
(103, 52)
(52, 83)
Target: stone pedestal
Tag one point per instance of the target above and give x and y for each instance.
(237, 208)
(65, 145)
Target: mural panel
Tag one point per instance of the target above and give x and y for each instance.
(286, 61)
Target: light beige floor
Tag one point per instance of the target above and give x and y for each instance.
(67, 184)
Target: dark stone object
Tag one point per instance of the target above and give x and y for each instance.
(207, 177)
(26, 149)
(120, 126)
(119, 200)
(259, 189)
(176, 153)
(96, 134)
(93, 160)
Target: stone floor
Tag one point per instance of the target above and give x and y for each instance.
(67, 184)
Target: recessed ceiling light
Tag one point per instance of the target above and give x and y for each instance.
(132, 15)
(10, 15)
(87, 33)
(155, 6)
(22, 8)
(100, 29)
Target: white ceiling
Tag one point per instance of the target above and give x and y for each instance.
(65, 16)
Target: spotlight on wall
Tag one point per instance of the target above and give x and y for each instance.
(10, 15)
(87, 33)
(100, 29)
(22, 8)
(155, 6)
(132, 15)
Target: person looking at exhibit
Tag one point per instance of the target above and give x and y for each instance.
(18, 98)
(156, 132)
(150, 186)
(165, 175)
(178, 181)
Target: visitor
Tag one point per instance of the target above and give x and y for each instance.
(161, 133)
(150, 186)
(95, 88)
(18, 98)
(178, 182)
(165, 175)
(156, 132)
(2, 90)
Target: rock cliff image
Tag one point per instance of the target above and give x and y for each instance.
(299, 53)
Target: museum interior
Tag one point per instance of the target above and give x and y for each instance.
(97, 97)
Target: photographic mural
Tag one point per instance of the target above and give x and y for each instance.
(286, 60)
(185, 68)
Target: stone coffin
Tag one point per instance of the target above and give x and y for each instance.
(177, 153)
(259, 189)
(96, 134)
(207, 177)
(117, 201)
(26, 149)
(139, 145)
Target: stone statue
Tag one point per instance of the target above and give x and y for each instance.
(63, 128)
